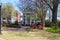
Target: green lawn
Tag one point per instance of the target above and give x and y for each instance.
(32, 35)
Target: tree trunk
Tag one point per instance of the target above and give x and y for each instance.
(54, 11)
(43, 23)
(53, 8)
(54, 16)
(43, 19)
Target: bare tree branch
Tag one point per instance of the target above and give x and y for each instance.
(48, 4)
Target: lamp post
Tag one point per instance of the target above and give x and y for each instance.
(0, 18)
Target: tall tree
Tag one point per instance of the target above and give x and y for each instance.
(53, 8)
(38, 6)
(7, 10)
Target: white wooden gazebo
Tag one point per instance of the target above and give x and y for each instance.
(25, 21)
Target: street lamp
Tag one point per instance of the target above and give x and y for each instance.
(0, 18)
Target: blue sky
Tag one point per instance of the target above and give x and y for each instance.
(15, 5)
(13, 2)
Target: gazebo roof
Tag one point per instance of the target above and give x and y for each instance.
(28, 12)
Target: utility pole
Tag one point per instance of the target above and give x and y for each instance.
(0, 18)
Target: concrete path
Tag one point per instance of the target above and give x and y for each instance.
(17, 29)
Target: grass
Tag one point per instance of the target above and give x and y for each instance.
(54, 30)
(21, 35)
(32, 35)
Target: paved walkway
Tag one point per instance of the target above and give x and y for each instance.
(17, 29)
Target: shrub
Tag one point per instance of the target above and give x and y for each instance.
(15, 25)
(53, 30)
(48, 23)
(58, 23)
(55, 25)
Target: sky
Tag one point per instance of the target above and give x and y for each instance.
(10, 1)
(13, 2)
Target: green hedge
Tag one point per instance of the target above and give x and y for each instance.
(48, 23)
(53, 30)
(58, 23)
(15, 25)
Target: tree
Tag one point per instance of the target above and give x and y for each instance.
(40, 9)
(53, 8)
(7, 10)
(37, 6)
(22, 4)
